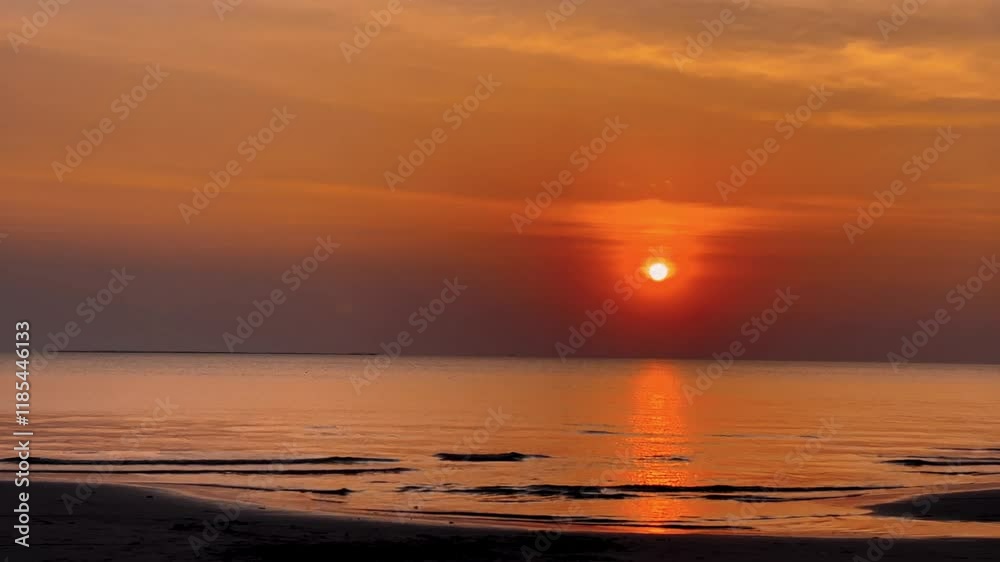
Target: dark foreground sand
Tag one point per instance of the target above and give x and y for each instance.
(139, 524)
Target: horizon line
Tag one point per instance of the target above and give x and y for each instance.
(513, 356)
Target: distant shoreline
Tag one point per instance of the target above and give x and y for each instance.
(511, 356)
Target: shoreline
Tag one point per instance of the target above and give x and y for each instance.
(145, 523)
(980, 506)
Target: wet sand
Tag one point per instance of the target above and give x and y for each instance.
(959, 506)
(144, 524)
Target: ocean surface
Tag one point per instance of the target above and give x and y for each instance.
(625, 445)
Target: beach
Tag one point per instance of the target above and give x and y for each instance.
(144, 524)
(444, 280)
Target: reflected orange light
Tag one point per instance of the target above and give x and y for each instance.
(659, 441)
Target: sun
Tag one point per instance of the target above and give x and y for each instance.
(658, 271)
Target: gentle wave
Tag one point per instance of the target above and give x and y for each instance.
(204, 462)
(328, 492)
(958, 473)
(283, 472)
(488, 457)
(667, 458)
(626, 491)
(575, 520)
(944, 461)
(772, 499)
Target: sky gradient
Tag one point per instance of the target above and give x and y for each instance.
(546, 87)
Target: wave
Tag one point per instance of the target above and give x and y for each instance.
(321, 491)
(569, 519)
(772, 499)
(488, 457)
(283, 472)
(668, 458)
(944, 461)
(627, 491)
(959, 473)
(203, 462)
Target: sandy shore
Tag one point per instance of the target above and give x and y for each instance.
(959, 506)
(141, 524)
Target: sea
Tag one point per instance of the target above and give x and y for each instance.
(643, 446)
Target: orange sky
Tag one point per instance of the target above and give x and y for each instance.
(656, 184)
